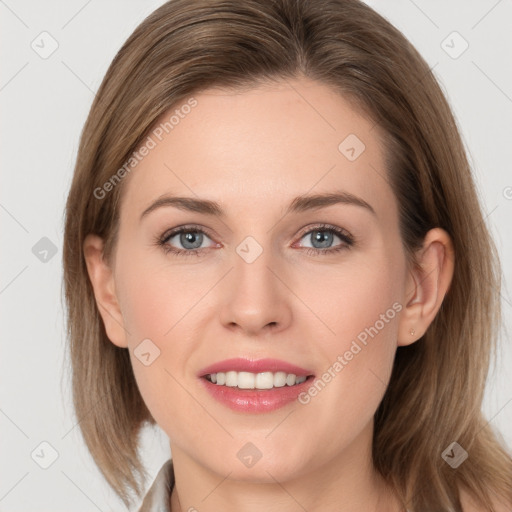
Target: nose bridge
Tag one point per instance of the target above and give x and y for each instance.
(252, 262)
(254, 296)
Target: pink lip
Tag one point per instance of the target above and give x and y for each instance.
(254, 366)
(255, 400)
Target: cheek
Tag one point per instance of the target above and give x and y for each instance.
(154, 295)
(355, 299)
(362, 309)
(159, 305)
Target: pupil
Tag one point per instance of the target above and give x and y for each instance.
(323, 239)
(188, 238)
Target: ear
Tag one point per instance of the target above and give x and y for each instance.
(426, 286)
(102, 280)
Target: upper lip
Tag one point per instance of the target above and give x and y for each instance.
(254, 366)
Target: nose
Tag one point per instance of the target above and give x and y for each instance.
(255, 296)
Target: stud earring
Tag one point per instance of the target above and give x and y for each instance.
(411, 332)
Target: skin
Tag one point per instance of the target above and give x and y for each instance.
(253, 153)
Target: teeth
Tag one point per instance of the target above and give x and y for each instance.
(231, 379)
(248, 380)
(265, 380)
(280, 379)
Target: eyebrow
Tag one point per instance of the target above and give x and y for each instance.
(297, 205)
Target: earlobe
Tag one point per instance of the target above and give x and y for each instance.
(102, 279)
(427, 285)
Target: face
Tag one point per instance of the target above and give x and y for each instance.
(319, 287)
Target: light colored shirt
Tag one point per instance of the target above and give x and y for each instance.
(157, 497)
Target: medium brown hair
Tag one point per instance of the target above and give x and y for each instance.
(436, 389)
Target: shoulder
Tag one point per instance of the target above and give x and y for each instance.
(469, 505)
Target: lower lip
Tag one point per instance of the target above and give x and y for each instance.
(255, 400)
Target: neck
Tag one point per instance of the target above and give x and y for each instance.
(347, 483)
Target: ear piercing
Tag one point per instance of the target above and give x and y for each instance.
(411, 332)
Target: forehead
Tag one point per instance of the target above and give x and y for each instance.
(261, 146)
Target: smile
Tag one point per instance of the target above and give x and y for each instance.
(248, 380)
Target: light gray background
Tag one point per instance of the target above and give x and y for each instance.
(45, 103)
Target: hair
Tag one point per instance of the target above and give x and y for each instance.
(436, 388)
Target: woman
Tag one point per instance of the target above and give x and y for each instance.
(326, 345)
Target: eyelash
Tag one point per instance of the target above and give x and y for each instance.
(348, 240)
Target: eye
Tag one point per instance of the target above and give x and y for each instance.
(322, 237)
(191, 238)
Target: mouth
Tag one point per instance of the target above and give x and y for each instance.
(245, 373)
(255, 386)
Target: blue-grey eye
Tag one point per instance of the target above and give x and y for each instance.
(191, 239)
(323, 237)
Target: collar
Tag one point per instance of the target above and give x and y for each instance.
(157, 496)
